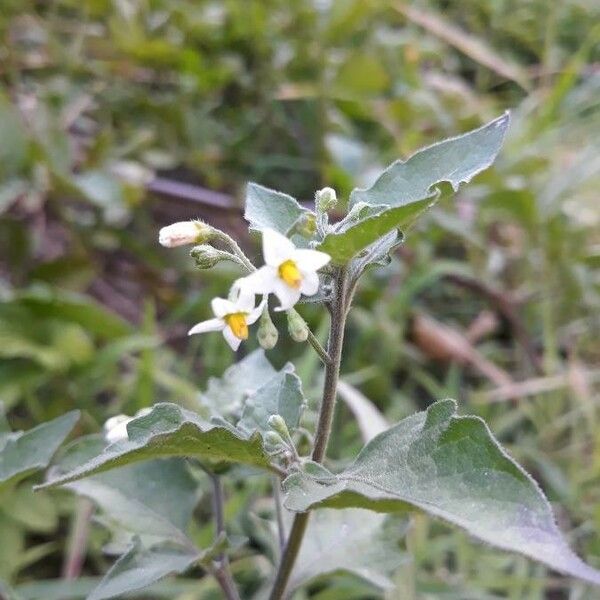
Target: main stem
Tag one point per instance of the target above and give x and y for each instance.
(332, 373)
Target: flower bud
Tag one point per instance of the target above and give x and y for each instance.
(184, 233)
(267, 334)
(306, 225)
(325, 199)
(297, 327)
(207, 257)
(277, 422)
(273, 439)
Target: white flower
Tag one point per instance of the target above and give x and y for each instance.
(232, 317)
(184, 233)
(288, 272)
(115, 428)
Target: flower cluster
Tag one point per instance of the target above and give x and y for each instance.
(288, 273)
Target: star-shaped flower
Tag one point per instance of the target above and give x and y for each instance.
(288, 272)
(232, 317)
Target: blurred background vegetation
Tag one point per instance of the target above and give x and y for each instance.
(120, 116)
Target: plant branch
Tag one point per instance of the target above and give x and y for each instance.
(314, 342)
(278, 512)
(221, 571)
(339, 312)
(237, 251)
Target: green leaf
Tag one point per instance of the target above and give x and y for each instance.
(226, 395)
(35, 512)
(153, 499)
(450, 467)
(377, 254)
(46, 304)
(170, 430)
(24, 453)
(282, 395)
(140, 567)
(455, 160)
(406, 189)
(267, 208)
(357, 541)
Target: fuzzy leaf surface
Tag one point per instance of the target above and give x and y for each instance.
(170, 431)
(353, 540)
(22, 453)
(405, 189)
(153, 499)
(450, 467)
(225, 395)
(266, 208)
(141, 567)
(281, 394)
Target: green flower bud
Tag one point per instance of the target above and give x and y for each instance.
(325, 199)
(207, 257)
(273, 439)
(278, 424)
(267, 333)
(306, 226)
(297, 327)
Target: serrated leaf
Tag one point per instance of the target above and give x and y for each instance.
(25, 453)
(153, 499)
(139, 568)
(450, 467)
(352, 540)
(167, 431)
(281, 394)
(405, 189)
(266, 208)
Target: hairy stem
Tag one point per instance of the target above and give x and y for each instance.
(339, 312)
(221, 571)
(237, 251)
(314, 342)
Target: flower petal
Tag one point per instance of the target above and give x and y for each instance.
(276, 248)
(204, 326)
(262, 281)
(310, 283)
(254, 315)
(233, 341)
(310, 260)
(287, 295)
(242, 295)
(222, 307)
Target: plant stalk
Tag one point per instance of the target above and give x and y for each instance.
(78, 539)
(221, 572)
(332, 371)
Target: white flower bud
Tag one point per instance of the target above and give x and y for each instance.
(184, 233)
